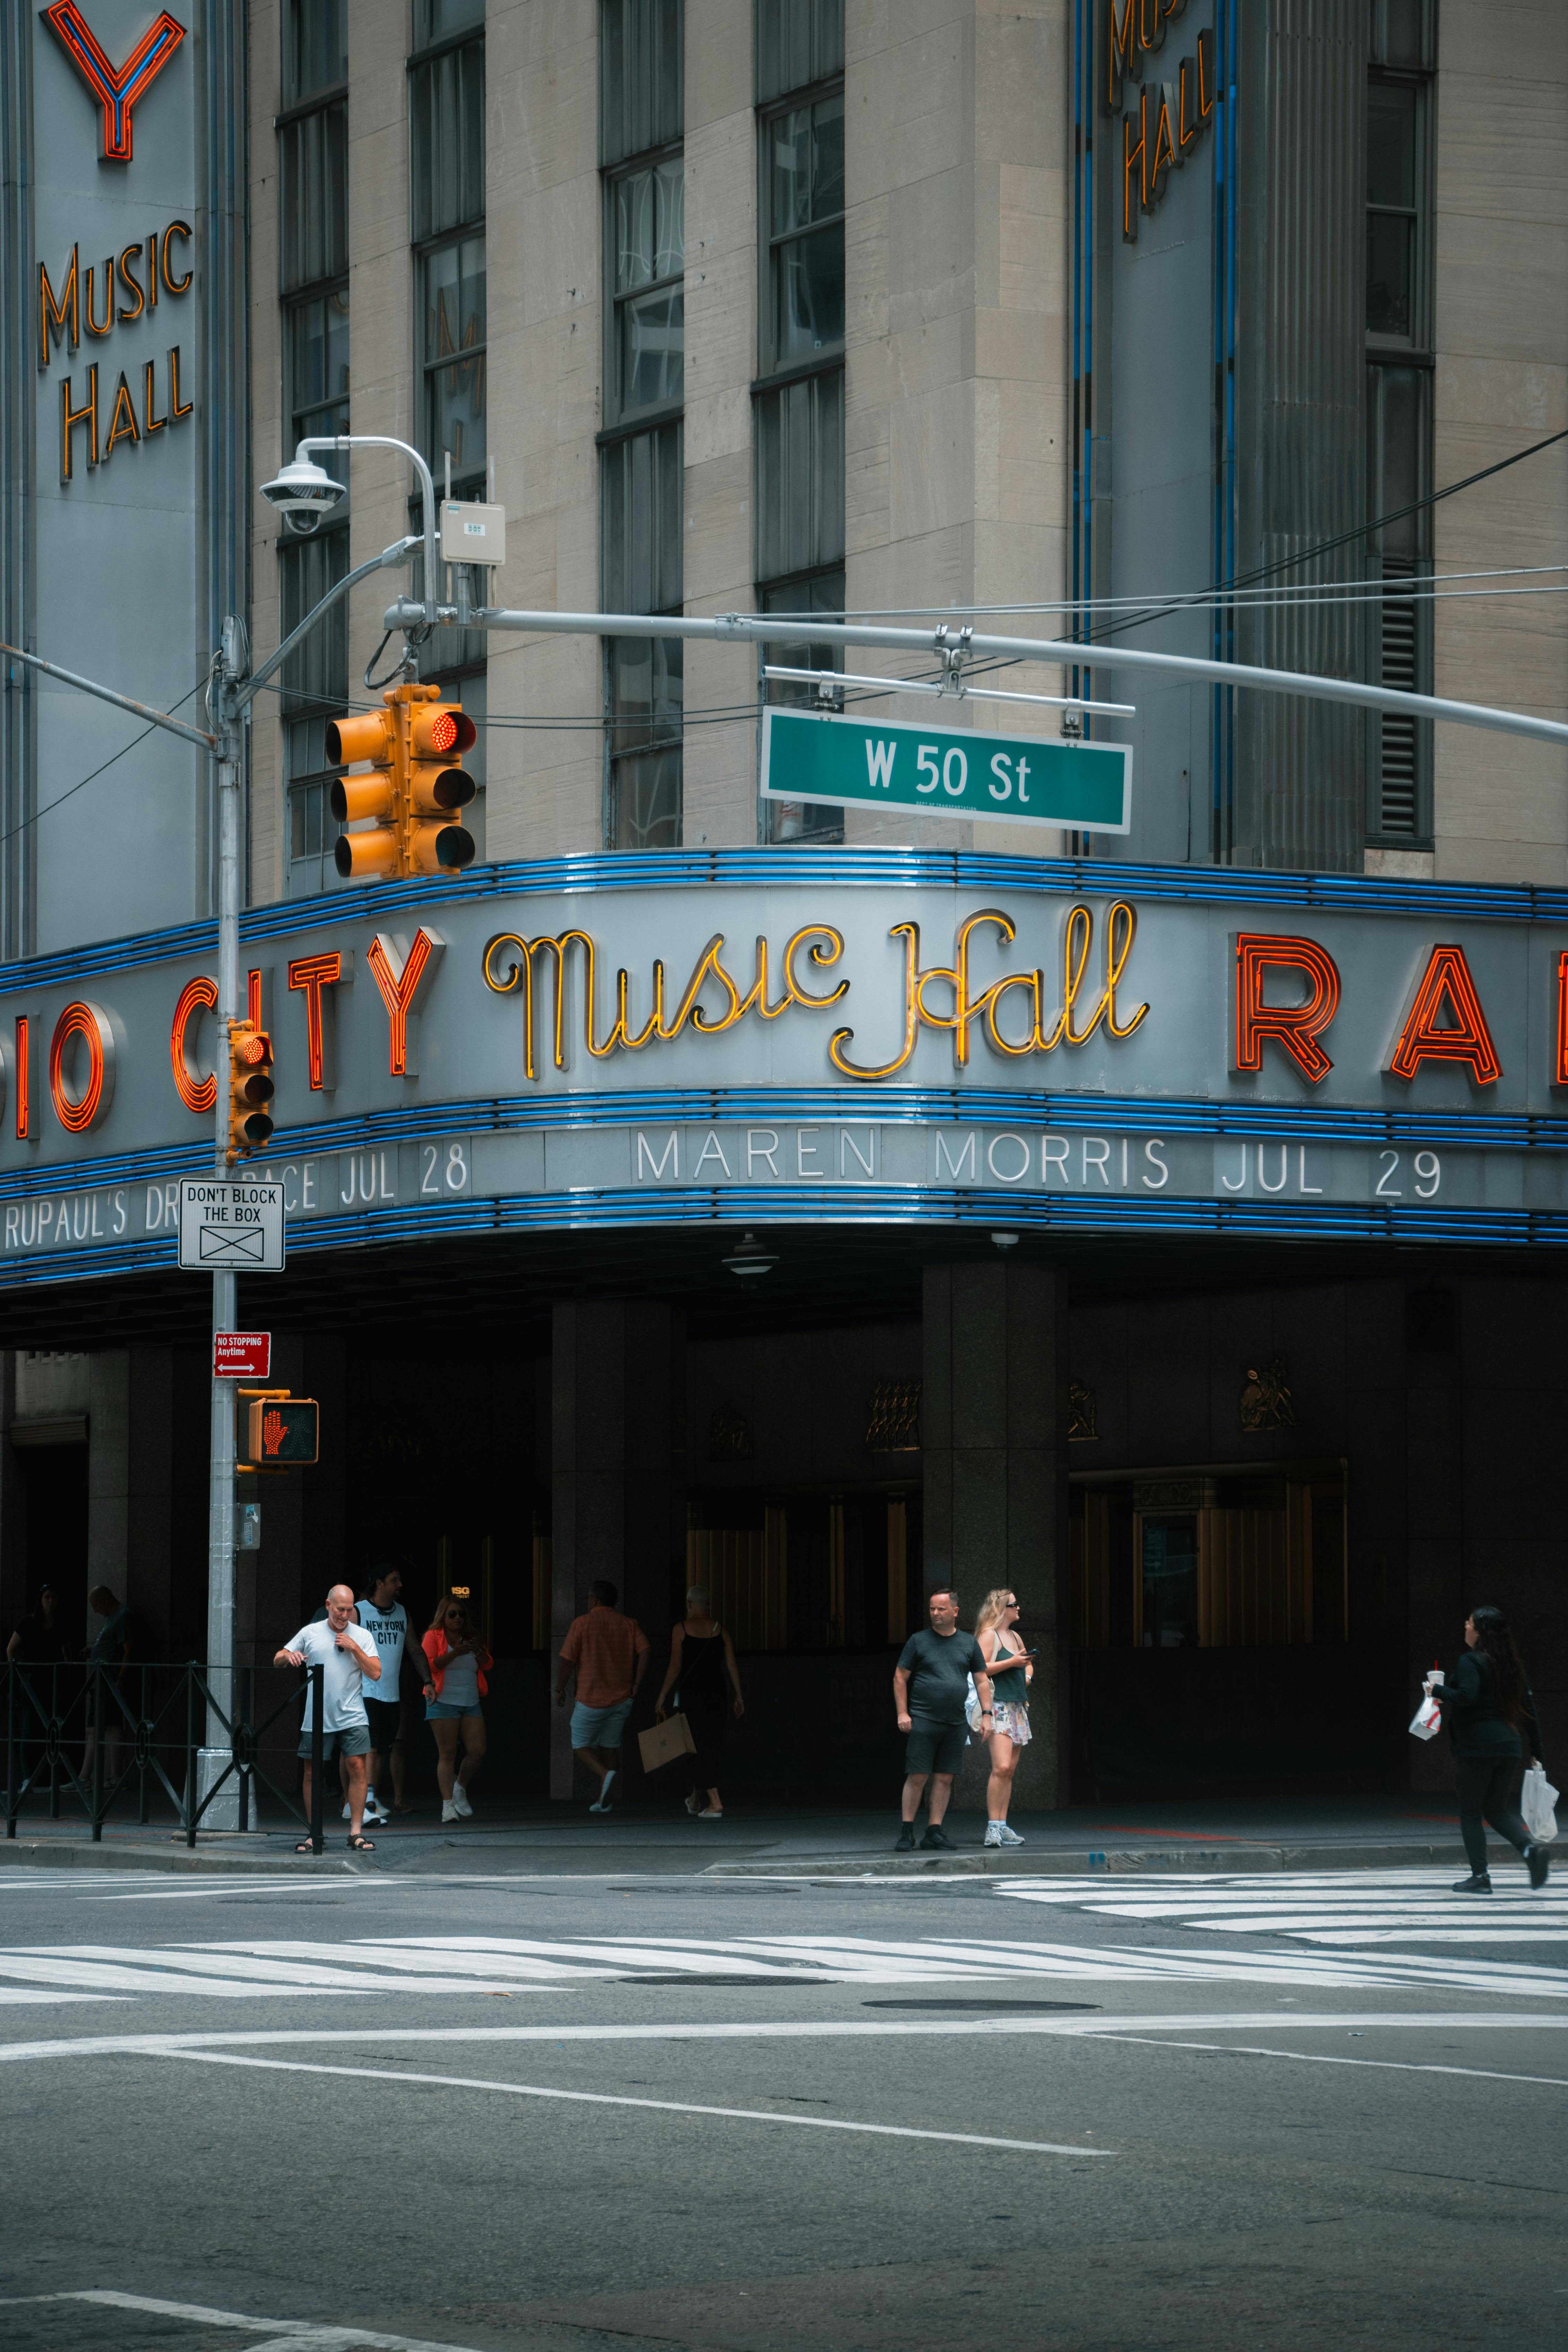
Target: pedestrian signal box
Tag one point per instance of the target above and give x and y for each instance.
(278, 1430)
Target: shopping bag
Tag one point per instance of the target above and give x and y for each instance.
(1428, 1720)
(1538, 1804)
(661, 1743)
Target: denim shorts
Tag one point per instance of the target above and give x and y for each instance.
(441, 1710)
(599, 1726)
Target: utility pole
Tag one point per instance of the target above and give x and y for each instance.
(220, 1467)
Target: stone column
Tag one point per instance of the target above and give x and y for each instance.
(618, 1472)
(131, 1398)
(994, 1449)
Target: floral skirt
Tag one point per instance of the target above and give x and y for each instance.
(1014, 1720)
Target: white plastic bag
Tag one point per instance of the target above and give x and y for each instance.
(1538, 1805)
(1428, 1720)
(972, 1708)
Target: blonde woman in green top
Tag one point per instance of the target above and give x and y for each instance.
(1010, 1675)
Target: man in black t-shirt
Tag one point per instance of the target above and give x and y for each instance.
(930, 1684)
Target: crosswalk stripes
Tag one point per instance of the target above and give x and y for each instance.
(524, 1967)
(1332, 1908)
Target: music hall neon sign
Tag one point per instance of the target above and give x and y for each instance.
(1161, 127)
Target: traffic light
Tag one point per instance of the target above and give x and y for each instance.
(439, 733)
(280, 1429)
(249, 1089)
(382, 738)
(416, 782)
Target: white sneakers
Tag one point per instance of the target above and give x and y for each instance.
(374, 1810)
(449, 1812)
(601, 1803)
(460, 1798)
(998, 1833)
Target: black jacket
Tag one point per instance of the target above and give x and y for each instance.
(1470, 1712)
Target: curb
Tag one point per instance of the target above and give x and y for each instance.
(80, 1854)
(1098, 1863)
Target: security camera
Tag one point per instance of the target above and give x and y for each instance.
(302, 493)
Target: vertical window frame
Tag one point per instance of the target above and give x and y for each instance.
(772, 244)
(1399, 764)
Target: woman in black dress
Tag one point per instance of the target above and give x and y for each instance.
(1490, 1715)
(702, 1662)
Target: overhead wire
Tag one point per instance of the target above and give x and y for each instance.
(71, 789)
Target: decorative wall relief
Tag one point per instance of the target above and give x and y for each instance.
(1265, 1397)
(729, 1435)
(894, 1424)
(1081, 1430)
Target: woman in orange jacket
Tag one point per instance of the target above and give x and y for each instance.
(456, 1681)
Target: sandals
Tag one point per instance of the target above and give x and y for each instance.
(362, 1845)
(306, 1846)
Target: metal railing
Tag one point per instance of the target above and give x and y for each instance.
(158, 1719)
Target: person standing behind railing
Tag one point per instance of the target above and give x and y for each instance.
(37, 1642)
(348, 1655)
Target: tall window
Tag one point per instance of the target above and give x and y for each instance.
(1399, 351)
(447, 228)
(641, 121)
(312, 276)
(798, 427)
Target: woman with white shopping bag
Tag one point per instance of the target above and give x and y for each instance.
(1490, 1715)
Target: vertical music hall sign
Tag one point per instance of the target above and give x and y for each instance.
(117, 120)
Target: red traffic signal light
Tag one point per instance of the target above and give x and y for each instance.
(413, 747)
(282, 1429)
(250, 1088)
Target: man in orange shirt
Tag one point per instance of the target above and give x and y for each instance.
(609, 1652)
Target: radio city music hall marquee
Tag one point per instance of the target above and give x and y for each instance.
(841, 1049)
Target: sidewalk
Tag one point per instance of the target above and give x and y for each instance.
(515, 1839)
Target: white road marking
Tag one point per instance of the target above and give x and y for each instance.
(1332, 1908)
(303, 2334)
(618, 2099)
(294, 1967)
(1321, 2058)
(839, 2029)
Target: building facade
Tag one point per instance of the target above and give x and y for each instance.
(1160, 1222)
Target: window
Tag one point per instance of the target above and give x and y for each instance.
(641, 119)
(315, 49)
(312, 219)
(641, 485)
(642, 77)
(804, 177)
(803, 820)
(798, 433)
(313, 282)
(646, 363)
(447, 183)
(1399, 407)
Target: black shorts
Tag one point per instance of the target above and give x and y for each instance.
(384, 1716)
(935, 1746)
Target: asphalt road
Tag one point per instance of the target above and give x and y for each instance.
(495, 2111)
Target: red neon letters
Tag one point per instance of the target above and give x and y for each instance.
(403, 973)
(116, 87)
(199, 1094)
(311, 975)
(79, 1108)
(1297, 1027)
(1468, 1041)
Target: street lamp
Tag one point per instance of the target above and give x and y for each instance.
(304, 492)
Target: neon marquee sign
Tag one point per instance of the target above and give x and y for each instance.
(116, 87)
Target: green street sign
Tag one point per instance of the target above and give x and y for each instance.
(946, 772)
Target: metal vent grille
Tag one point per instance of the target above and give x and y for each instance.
(1397, 780)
